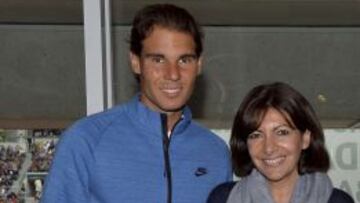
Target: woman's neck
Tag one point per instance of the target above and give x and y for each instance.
(282, 191)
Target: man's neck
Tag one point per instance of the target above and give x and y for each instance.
(172, 119)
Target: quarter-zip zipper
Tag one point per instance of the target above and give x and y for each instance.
(166, 143)
(166, 146)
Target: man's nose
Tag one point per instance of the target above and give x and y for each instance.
(173, 72)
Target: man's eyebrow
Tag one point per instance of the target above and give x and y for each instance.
(150, 55)
(192, 55)
(189, 55)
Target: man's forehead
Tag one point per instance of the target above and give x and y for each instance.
(166, 28)
(164, 31)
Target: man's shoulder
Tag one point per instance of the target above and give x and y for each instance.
(206, 132)
(106, 116)
(93, 126)
(208, 136)
(100, 120)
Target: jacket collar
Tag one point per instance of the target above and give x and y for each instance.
(151, 120)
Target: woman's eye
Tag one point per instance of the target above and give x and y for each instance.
(253, 135)
(283, 132)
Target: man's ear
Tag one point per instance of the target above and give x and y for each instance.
(135, 63)
(306, 139)
(199, 64)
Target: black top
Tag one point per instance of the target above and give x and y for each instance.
(222, 192)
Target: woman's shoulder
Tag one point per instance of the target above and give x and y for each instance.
(339, 196)
(220, 193)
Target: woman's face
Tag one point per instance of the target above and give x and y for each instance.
(275, 148)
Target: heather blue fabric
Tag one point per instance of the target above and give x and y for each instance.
(117, 156)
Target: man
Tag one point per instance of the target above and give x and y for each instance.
(149, 149)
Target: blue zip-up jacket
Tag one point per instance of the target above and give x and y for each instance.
(117, 156)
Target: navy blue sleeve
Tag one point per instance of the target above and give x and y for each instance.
(339, 196)
(220, 193)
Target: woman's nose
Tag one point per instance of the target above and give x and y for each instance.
(269, 145)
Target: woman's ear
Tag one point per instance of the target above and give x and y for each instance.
(306, 139)
(135, 63)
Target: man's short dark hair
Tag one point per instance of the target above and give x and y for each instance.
(167, 16)
(292, 105)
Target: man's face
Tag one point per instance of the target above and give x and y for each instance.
(167, 67)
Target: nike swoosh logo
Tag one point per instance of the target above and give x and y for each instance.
(200, 171)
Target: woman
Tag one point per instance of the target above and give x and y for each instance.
(278, 150)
